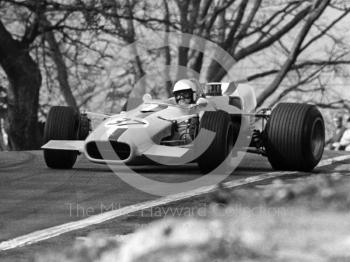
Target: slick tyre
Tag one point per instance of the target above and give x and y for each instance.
(61, 124)
(220, 123)
(295, 137)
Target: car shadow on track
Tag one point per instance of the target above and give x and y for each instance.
(178, 170)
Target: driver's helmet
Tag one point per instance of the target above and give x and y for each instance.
(185, 90)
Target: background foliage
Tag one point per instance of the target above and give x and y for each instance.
(56, 52)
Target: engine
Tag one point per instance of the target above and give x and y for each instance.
(213, 89)
(183, 133)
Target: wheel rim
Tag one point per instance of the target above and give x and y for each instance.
(317, 138)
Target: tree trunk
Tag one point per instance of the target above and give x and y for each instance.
(62, 72)
(23, 94)
(2, 142)
(167, 54)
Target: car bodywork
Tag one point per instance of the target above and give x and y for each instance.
(152, 130)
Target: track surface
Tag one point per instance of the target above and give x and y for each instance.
(33, 197)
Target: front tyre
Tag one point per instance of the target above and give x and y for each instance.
(61, 124)
(295, 137)
(220, 123)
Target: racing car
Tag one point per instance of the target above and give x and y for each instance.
(291, 135)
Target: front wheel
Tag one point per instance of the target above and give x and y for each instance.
(61, 124)
(295, 137)
(220, 123)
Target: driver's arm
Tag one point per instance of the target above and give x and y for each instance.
(171, 100)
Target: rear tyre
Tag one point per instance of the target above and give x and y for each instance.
(220, 123)
(295, 137)
(61, 124)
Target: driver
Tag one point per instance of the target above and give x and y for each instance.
(185, 91)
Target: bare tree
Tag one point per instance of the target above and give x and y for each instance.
(55, 38)
(23, 94)
(21, 65)
(62, 71)
(3, 117)
(317, 9)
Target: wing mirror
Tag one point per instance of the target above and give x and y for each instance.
(146, 98)
(202, 101)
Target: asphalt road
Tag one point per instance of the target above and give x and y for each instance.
(34, 197)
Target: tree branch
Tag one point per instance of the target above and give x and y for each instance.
(296, 86)
(318, 8)
(298, 66)
(325, 30)
(62, 72)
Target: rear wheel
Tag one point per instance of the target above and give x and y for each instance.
(295, 137)
(220, 123)
(61, 124)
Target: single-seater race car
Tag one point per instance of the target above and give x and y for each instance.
(291, 135)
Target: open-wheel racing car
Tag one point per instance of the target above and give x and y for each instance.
(291, 135)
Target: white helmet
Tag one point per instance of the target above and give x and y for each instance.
(185, 84)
